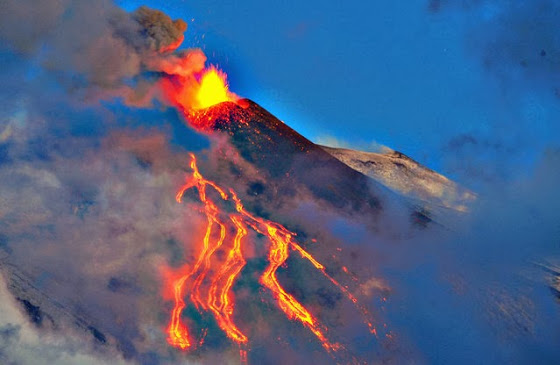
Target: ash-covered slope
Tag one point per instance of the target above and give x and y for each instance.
(292, 161)
(403, 175)
(272, 146)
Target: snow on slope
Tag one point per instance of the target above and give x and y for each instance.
(402, 174)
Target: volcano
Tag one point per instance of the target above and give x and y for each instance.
(263, 172)
(281, 169)
(261, 176)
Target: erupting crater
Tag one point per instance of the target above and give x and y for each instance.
(194, 95)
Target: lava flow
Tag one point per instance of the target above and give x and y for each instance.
(218, 298)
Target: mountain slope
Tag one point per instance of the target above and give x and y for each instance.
(289, 160)
(402, 174)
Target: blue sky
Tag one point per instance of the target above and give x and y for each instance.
(389, 72)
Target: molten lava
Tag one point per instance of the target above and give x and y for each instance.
(193, 95)
(213, 89)
(218, 298)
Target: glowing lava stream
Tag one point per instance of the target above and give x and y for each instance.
(219, 299)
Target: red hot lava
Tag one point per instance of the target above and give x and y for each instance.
(218, 298)
(194, 94)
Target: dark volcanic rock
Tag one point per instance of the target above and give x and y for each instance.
(98, 335)
(272, 146)
(291, 161)
(33, 311)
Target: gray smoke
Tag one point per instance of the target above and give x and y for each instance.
(91, 44)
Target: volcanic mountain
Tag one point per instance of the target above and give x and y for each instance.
(262, 184)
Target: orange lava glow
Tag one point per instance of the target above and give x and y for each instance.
(213, 89)
(217, 296)
(194, 92)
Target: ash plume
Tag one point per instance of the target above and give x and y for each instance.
(97, 47)
(158, 30)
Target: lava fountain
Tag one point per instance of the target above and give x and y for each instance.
(193, 95)
(213, 89)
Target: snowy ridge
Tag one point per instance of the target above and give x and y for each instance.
(405, 176)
